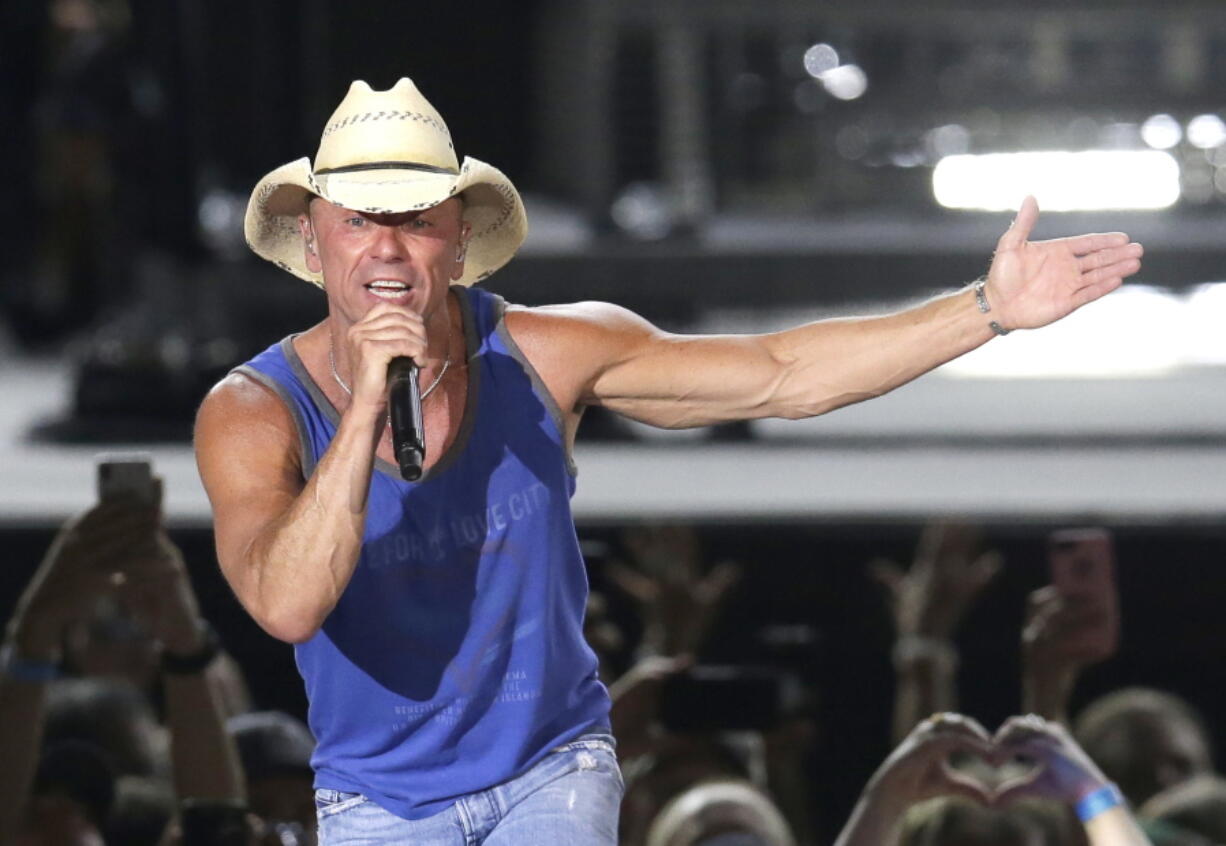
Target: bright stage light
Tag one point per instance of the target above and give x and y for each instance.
(1061, 181)
(1206, 132)
(846, 82)
(820, 59)
(1162, 132)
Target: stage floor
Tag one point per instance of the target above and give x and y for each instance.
(1123, 449)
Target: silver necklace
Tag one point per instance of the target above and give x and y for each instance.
(424, 394)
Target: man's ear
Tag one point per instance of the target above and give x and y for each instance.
(461, 252)
(309, 248)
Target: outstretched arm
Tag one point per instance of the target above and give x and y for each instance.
(596, 354)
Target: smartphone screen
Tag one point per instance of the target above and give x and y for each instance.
(1083, 571)
(125, 474)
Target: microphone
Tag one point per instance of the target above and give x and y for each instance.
(404, 403)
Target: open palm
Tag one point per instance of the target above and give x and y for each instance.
(1033, 283)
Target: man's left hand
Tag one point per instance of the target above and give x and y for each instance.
(1033, 283)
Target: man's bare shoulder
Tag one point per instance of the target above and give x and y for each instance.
(575, 323)
(240, 403)
(572, 345)
(246, 444)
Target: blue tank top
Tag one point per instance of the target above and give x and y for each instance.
(455, 658)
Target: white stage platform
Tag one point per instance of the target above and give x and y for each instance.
(1148, 449)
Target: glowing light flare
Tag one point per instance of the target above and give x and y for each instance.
(1206, 132)
(846, 82)
(820, 59)
(1202, 325)
(1061, 181)
(1162, 132)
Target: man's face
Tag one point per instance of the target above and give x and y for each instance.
(408, 259)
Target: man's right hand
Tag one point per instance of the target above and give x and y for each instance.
(384, 333)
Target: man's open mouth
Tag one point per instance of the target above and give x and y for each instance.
(387, 288)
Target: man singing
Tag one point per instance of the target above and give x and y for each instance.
(438, 623)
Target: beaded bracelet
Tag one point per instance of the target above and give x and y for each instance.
(1104, 799)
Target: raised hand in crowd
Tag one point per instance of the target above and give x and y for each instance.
(1053, 766)
(153, 584)
(75, 571)
(1065, 773)
(116, 551)
(919, 768)
(928, 601)
(677, 601)
(636, 702)
(82, 563)
(1061, 637)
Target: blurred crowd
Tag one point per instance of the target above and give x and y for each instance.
(123, 720)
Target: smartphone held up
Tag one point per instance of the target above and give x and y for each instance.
(1083, 573)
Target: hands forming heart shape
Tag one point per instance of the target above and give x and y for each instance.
(950, 754)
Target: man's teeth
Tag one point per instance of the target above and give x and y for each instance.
(387, 288)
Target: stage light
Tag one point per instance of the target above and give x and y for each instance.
(820, 59)
(846, 82)
(1162, 132)
(1206, 132)
(642, 211)
(952, 139)
(1203, 321)
(1061, 181)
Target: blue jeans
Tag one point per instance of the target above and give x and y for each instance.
(569, 798)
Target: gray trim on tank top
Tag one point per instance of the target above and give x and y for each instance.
(538, 384)
(305, 453)
(470, 403)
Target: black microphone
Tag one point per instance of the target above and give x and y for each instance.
(404, 402)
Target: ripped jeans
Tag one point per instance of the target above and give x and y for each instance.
(571, 797)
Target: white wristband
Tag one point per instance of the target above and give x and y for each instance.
(913, 647)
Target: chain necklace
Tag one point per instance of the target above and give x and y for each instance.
(424, 394)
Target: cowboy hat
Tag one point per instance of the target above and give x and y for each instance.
(386, 152)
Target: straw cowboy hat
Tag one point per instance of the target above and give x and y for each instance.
(386, 152)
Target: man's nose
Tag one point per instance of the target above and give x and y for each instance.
(387, 245)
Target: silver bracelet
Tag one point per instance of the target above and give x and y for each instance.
(981, 300)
